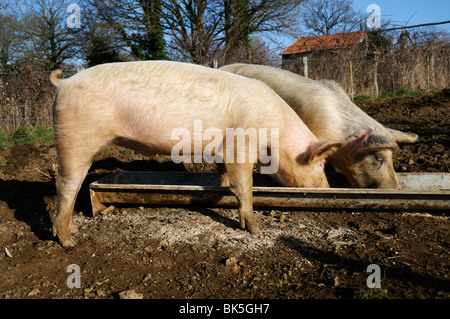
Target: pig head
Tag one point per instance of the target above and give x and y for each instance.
(366, 160)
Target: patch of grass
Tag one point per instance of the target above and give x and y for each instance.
(389, 95)
(39, 134)
(363, 97)
(400, 93)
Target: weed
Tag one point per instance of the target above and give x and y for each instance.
(39, 134)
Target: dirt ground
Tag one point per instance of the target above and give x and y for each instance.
(162, 252)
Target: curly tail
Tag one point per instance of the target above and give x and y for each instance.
(54, 78)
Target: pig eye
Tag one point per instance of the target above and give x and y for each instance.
(379, 159)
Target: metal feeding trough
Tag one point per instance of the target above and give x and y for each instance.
(419, 192)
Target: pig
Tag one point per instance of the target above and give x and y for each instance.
(139, 104)
(365, 157)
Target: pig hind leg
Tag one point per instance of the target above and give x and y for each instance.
(241, 180)
(75, 161)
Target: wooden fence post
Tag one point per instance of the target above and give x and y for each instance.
(375, 76)
(351, 78)
(305, 66)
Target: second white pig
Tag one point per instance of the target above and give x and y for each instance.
(366, 156)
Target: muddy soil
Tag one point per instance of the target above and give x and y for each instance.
(201, 252)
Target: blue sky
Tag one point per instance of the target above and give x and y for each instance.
(400, 11)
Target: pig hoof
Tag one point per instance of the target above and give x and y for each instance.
(254, 230)
(73, 229)
(64, 239)
(69, 243)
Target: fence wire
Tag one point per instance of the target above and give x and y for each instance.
(20, 106)
(26, 118)
(5, 131)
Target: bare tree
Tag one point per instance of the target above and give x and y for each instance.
(193, 26)
(11, 39)
(237, 25)
(100, 45)
(48, 40)
(195, 30)
(201, 29)
(244, 18)
(99, 41)
(138, 22)
(329, 16)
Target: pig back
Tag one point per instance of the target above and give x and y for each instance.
(323, 106)
(146, 101)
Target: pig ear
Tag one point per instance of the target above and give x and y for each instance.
(368, 142)
(355, 145)
(319, 151)
(403, 137)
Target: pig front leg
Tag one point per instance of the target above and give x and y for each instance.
(222, 174)
(241, 181)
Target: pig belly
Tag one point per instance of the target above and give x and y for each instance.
(165, 147)
(146, 149)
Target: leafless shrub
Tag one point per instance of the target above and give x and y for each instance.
(26, 97)
(422, 64)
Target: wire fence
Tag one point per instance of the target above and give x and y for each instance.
(26, 118)
(26, 96)
(18, 115)
(22, 127)
(415, 70)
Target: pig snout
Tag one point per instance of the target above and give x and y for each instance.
(369, 169)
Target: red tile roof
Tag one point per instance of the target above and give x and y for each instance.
(324, 42)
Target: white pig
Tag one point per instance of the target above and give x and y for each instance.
(139, 104)
(366, 155)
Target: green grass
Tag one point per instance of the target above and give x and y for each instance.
(389, 95)
(39, 134)
(363, 97)
(399, 93)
